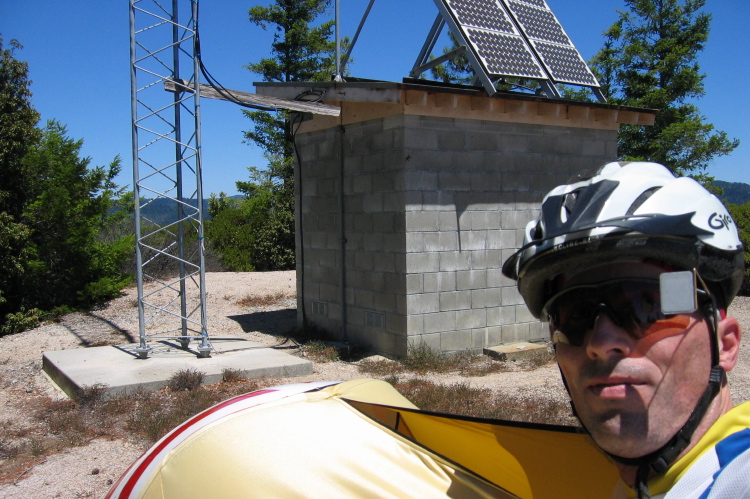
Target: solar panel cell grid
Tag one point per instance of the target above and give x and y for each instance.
(539, 24)
(565, 64)
(516, 38)
(487, 15)
(505, 55)
(538, 3)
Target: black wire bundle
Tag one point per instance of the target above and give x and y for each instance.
(218, 86)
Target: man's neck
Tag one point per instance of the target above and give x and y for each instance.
(721, 404)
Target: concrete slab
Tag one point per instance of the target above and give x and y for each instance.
(517, 351)
(120, 369)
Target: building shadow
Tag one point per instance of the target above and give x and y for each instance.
(281, 323)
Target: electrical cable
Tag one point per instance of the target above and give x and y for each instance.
(319, 95)
(293, 132)
(516, 86)
(224, 92)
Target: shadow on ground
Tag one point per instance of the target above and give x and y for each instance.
(95, 330)
(273, 322)
(283, 325)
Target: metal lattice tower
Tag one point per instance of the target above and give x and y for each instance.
(167, 166)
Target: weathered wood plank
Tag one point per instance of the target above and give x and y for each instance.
(261, 101)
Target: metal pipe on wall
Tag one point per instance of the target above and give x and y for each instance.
(338, 44)
(342, 233)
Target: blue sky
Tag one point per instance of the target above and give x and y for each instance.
(78, 55)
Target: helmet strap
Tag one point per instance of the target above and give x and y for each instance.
(659, 461)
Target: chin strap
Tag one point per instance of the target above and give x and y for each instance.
(659, 461)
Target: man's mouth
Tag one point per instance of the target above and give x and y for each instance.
(613, 388)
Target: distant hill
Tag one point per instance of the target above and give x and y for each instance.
(164, 211)
(734, 192)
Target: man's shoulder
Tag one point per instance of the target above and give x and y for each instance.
(733, 478)
(723, 471)
(732, 446)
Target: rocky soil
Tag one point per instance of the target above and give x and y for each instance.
(87, 471)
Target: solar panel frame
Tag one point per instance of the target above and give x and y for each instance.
(516, 38)
(551, 43)
(492, 37)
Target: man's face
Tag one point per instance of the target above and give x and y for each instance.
(634, 394)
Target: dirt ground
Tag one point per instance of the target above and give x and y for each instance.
(89, 470)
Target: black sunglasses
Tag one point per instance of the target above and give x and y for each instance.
(632, 304)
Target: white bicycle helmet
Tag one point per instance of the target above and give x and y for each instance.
(634, 209)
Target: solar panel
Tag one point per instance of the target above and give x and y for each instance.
(516, 38)
(565, 64)
(489, 16)
(538, 23)
(489, 29)
(505, 55)
(550, 42)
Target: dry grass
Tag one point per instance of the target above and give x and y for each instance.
(145, 416)
(231, 375)
(320, 351)
(423, 360)
(259, 301)
(187, 379)
(465, 400)
(140, 416)
(380, 367)
(461, 398)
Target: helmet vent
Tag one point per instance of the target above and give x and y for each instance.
(568, 204)
(641, 199)
(538, 232)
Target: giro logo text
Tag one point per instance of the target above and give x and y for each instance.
(717, 221)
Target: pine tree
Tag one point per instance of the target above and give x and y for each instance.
(18, 133)
(52, 209)
(263, 222)
(18, 130)
(300, 52)
(456, 70)
(649, 60)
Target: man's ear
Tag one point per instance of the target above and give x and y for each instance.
(729, 336)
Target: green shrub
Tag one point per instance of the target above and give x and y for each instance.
(20, 321)
(741, 216)
(253, 233)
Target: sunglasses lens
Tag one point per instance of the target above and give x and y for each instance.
(633, 305)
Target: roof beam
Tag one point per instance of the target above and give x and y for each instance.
(253, 100)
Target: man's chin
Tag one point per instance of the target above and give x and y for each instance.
(621, 434)
(619, 448)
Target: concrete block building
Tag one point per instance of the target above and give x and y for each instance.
(409, 202)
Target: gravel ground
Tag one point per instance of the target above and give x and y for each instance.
(87, 471)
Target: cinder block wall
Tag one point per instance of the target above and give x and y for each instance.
(374, 230)
(471, 188)
(432, 207)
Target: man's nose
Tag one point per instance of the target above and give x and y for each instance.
(608, 336)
